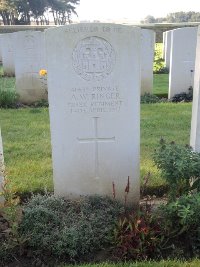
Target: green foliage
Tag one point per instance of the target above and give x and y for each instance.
(183, 97)
(149, 98)
(178, 165)
(10, 214)
(67, 227)
(14, 12)
(41, 103)
(177, 17)
(138, 236)
(181, 218)
(8, 98)
(159, 65)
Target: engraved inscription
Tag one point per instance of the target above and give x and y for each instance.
(96, 139)
(97, 99)
(93, 58)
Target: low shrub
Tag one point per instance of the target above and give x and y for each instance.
(180, 166)
(69, 228)
(138, 236)
(148, 98)
(8, 98)
(181, 218)
(183, 97)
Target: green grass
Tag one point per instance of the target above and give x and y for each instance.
(27, 150)
(26, 138)
(160, 84)
(168, 120)
(167, 263)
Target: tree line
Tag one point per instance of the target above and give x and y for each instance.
(22, 12)
(176, 17)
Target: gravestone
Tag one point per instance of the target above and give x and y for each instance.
(167, 52)
(29, 56)
(7, 45)
(147, 58)
(94, 103)
(1, 167)
(195, 123)
(164, 45)
(182, 60)
(1, 48)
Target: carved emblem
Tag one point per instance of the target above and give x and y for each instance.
(93, 58)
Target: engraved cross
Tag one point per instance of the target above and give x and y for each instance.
(96, 140)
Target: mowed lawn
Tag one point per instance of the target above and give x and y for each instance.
(27, 148)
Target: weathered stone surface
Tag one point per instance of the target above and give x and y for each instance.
(29, 60)
(94, 97)
(182, 60)
(147, 58)
(195, 123)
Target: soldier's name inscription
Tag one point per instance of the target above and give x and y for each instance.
(94, 100)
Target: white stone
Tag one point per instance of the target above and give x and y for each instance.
(7, 54)
(1, 48)
(1, 167)
(195, 123)
(182, 61)
(147, 58)
(164, 45)
(94, 98)
(167, 48)
(29, 56)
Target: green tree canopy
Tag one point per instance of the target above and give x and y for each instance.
(22, 12)
(176, 17)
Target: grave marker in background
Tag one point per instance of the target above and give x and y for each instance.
(182, 60)
(147, 58)
(8, 54)
(167, 49)
(29, 59)
(195, 124)
(94, 98)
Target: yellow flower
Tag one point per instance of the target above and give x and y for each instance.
(43, 72)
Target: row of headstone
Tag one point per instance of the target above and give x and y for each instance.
(179, 55)
(94, 97)
(23, 56)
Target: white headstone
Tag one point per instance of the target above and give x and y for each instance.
(94, 98)
(147, 58)
(195, 124)
(164, 45)
(7, 54)
(1, 167)
(167, 48)
(1, 48)
(29, 56)
(182, 61)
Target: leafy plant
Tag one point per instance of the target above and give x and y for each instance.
(159, 64)
(150, 98)
(179, 165)
(182, 219)
(183, 97)
(70, 228)
(138, 236)
(12, 213)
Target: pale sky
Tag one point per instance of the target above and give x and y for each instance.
(132, 10)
